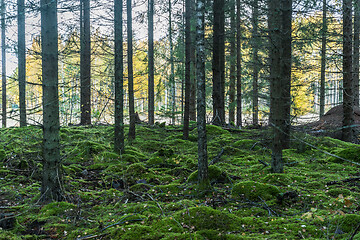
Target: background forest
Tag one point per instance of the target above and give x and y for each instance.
(177, 119)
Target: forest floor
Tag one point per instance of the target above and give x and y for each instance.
(150, 191)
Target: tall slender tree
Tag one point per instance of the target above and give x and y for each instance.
(323, 59)
(172, 85)
(130, 70)
(255, 62)
(51, 188)
(151, 61)
(85, 64)
(119, 79)
(21, 61)
(3, 59)
(192, 98)
(348, 131)
(232, 64)
(279, 22)
(238, 65)
(187, 68)
(203, 175)
(356, 51)
(218, 64)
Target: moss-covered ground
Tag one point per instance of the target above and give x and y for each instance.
(150, 191)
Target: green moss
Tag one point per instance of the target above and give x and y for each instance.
(2, 155)
(216, 175)
(73, 169)
(247, 144)
(335, 192)
(279, 179)
(165, 152)
(352, 154)
(136, 153)
(136, 172)
(254, 191)
(348, 222)
(135, 231)
(56, 209)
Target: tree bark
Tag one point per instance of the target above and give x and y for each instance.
(130, 71)
(21, 61)
(348, 131)
(203, 175)
(151, 61)
(3, 61)
(279, 22)
(85, 65)
(218, 63)
(192, 99)
(51, 188)
(119, 78)
(232, 65)
(172, 70)
(238, 65)
(187, 68)
(255, 62)
(356, 51)
(323, 60)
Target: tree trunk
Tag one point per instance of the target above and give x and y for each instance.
(286, 69)
(203, 175)
(356, 51)
(348, 94)
(21, 61)
(85, 65)
(279, 22)
(151, 61)
(323, 60)
(238, 65)
(218, 63)
(3, 65)
(130, 71)
(51, 188)
(192, 100)
(172, 71)
(255, 62)
(187, 68)
(232, 65)
(119, 78)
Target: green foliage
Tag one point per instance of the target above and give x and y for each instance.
(216, 175)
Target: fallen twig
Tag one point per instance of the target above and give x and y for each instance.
(217, 158)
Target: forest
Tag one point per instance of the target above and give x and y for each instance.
(191, 119)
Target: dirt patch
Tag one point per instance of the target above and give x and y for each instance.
(331, 123)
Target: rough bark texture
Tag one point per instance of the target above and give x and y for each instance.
(286, 68)
(323, 60)
(172, 69)
(255, 63)
(187, 68)
(232, 66)
(85, 65)
(130, 71)
(51, 188)
(201, 104)
(3, 61)
(119, 78)
(238, 65)
(218, 65)
(356, 51)
(279, 21)
(21, 61)
(348, 95)
(151, 61)
(192, 100)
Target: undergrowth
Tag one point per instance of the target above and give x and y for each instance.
(150, 191)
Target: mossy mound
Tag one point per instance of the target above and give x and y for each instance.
(255, 191)
(135, 231)
(216, 175)
(136, 153)
(348, 222)
(248, 144)
(351, 153)
(279, 179)
(200, 218)
(138, 173)
(2, 154)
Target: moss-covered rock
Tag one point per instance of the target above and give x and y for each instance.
(335, 192)
(255, 191)
(216, 175)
